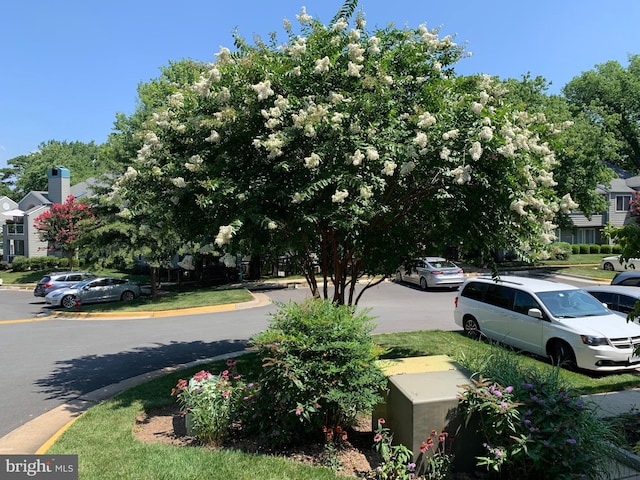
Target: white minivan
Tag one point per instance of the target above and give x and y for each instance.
(550, 319)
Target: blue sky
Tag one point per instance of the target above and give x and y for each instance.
(68, 66)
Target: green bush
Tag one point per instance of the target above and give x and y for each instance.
(533, 425)
(560, 250)
(584, 249)
(318, 373)
(20, 264)
(616, 249)
(594, 248)
(605, 248)
(575, 249)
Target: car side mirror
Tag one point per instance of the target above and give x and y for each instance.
(535, 313)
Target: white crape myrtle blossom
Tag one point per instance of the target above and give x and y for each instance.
(475, 151)
(339, 196)
(353, 69)
(484, 97)
(462, 174)
(312, 161)
(426, 120)
(161, 118)
(224, 56)
(486, 133)
(567, 204)
(303, 17)
(445, 153)
(263, 89)
(228, 260)
(389, 168)
(366, 192)
(374, 46)
(322, 65)
(476, 107)
(355, 52)
(340, 25)
(225, 233)
(179, 182)
(130, 174)
(176, 100)
(518, 207)
(214, 137)
(356, 158)
(194, 164)
(451, 134)
(271, 225)
(372, 154)
(298, 48)
(421, 139)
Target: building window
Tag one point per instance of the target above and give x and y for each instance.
(586, 236)
(623, 203)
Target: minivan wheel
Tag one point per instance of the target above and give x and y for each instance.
(562, 355)
(68, 301)
(471, 328)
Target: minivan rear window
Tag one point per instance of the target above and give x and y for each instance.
(474, 290)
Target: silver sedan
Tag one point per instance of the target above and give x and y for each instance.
(430, 272)
(97, 290)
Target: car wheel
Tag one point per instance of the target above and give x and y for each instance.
(127, 296)
(608, 266)
(562, 355)
(471, 328)
(398, 276)
(423, 283)
(68, 301)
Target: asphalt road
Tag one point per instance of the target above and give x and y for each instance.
(47, 362)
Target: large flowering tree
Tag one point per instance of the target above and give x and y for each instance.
(348, 149)
(64, 226)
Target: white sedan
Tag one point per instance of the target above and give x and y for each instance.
(613, 264)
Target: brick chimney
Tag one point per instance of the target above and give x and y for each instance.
(59, 184)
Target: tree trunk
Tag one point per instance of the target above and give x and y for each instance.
(153, 273)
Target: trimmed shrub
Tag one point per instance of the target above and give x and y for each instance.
(616, 249)
(605, 248)
(20, 264)
(584, 249)
(594, 248)
(318, 373)
(575, 249)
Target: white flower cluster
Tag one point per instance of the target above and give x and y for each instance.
(355, 52)
(263, 89)
(461, 175)
(179, 182)
(322, 65)
(303, 17)
(426, 120)
(194, 164)
(312, 161)
(475, 151)
(214, 137)
(225, 233)
(356, 158)
(389, 168)
(339, 196)
(374, 46)
(366, 192)
(567, 204)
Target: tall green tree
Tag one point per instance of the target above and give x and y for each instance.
(350, 150)
(29, 172)
(609, 96)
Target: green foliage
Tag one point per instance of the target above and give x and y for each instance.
(605, 248)
(533, 425)
(575, 249)
(608, 96)
(318, 370)
(584, 249)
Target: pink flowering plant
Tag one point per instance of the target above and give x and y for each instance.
(213, 402)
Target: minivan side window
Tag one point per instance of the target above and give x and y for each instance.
(500, 296)
(523, 302)
(474, 290)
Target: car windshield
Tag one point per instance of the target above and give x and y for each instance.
(572, 304)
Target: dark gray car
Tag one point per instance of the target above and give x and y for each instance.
(55, 280)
